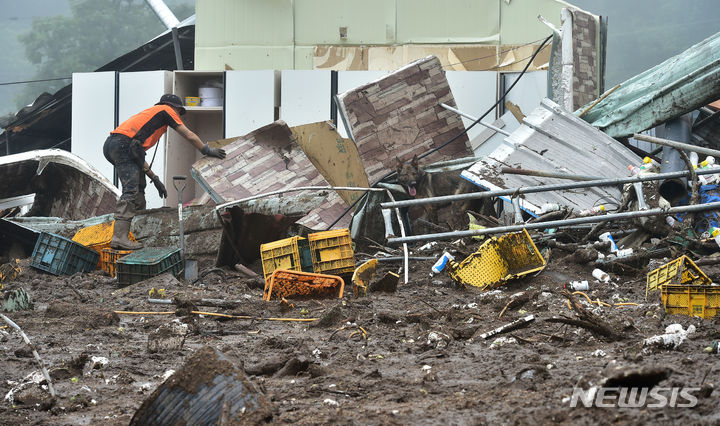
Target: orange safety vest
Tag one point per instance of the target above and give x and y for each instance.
(149, 125)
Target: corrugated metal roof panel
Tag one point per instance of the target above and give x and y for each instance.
(552, 140)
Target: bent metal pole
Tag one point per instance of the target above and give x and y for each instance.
(544, 188)
(676, 144)
(556, 223)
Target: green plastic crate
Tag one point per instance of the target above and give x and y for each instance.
(147, 263)
(62, 256)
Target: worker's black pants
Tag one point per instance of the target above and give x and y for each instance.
(128, 159)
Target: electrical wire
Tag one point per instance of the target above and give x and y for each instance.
(494, 55)
(537, 51)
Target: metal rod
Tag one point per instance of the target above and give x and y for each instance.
(555, 223)
(402, 231)
(543, 188)
(178, 50)
(470, 117)
(598, 100)
(676, 144)
(398, 258)
(300, 188)
(527, 172)
(39, 360)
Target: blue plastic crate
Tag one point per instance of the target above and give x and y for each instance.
(147, 263)
(62, 256)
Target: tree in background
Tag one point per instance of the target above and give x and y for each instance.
(97, 32)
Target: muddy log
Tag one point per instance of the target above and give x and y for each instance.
(587, 320)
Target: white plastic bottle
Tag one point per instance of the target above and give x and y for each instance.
(716, 235)
(694, 159)
(634, 170)
(650, 165)
(670, 221)
(592, 210)
(549, 207)
(605, 237)
(439, 266)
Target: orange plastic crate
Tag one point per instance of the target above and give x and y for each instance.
(284, 283)
(108, 259)
(98, 237)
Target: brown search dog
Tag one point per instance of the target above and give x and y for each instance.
(420, 184)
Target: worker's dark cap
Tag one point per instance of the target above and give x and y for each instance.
(172, 100)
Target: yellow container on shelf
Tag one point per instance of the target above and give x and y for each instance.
(694, 300)
(192, 100)
(679, 271)
(97, 237)
(498, 260)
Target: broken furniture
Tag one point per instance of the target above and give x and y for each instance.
(64, 185)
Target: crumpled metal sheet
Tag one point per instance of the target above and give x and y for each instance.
(553, 140)
(677, 86)
(64, 184)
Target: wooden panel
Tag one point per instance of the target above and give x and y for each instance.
(336, 158)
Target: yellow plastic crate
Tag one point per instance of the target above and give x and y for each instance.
(332, 251)
(679, 271)
(108, 259)
(289, 253)
(694, 300)
(97, 237)
(498, 260)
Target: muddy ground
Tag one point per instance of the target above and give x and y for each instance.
(423, 361)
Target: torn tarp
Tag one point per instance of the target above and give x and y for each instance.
(552, 140)
(64, 185)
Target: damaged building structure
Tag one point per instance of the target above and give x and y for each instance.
(457, 130)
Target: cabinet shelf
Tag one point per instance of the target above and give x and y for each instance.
(203, 108)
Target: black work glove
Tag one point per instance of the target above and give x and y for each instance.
(213, 152)
(160, 187)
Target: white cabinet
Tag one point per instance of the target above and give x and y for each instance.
(204, 121)
(252, 97)
(138, 91)
(93, 117)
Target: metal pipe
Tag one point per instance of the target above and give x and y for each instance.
(178, 50)
(676, 144)
(672, 159)
(542, 188)
(300, 188)
(527, 172)
(163, 13)
(555, 223)
(402, 231)
(470, 117)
